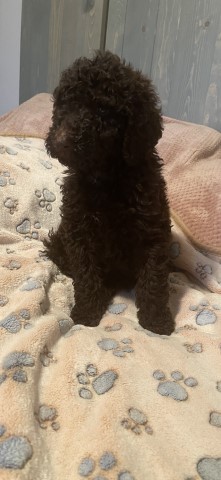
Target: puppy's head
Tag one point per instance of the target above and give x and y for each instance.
(104, 112)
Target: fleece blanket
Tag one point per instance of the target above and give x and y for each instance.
(115, 402)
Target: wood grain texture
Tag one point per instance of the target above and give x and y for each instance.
(212, 108)
(116, 26)
(34, 48)
(183, 57)
(139, 33)
(55, 41)
(131, 30)
(54, 34)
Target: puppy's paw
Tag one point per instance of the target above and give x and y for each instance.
(81, 317)
(158, 322)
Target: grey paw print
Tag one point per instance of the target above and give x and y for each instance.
(113, 328)
(15, 451)
(47, 357)
(24, 167)
(209, 468)
(101, 469)
(46, 163)
(203, 270)
(174, 250)
(215, 419)
(3, 300)
(137, 422)
(117, 308)
(194, 348)
(46, 416)
(101, 383)
(15, 321)
(23, 140)
(26, 229)
(205, 312)
(119, 349)
(11, 204)
(12, 265)
(46, 198)
(171, 388)
(25, 148)
(13, 367)
(8, 150)
(5, 179)
(65, 325)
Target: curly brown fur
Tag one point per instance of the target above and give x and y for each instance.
(115, 225)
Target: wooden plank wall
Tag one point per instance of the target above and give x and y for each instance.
(54, 33)
(177, 43)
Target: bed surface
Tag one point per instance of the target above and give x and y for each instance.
(115, 401)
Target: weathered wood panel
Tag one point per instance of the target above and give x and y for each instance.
(54, 33)
(116, 26)
(183, 57)
(178, 43)
(34, 48)
(131, 30)
(212, 108)
(139, 33)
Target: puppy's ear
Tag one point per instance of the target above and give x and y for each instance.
(143, 131)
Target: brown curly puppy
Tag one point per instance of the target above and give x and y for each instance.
(115, 224)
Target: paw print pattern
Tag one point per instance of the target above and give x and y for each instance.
(24, 167)
(137, 422)
(13, 367)
(5, 179)
(65, 325)
(101, 383)
(46, 163)
(46, 198)
(117, 308)
(47, 357)
(113, 328)
(203, 270)
(205, 313)
(171, 388)
(13, 265)
(215, 419)
(46, 416)
(209, 468)
(15, 451)
(14, 322)
(30, 284)
(106, 463)
(195, 348)
(117, 348)
(3, 300)
(11, 204)
(26, 229)
(25, 148)
(174, 250)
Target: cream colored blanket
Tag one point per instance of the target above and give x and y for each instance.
(113, 402)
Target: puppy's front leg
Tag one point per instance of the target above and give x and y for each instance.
(91, 299)
(152, 293)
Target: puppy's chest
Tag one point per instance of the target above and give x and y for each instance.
(118, 225)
